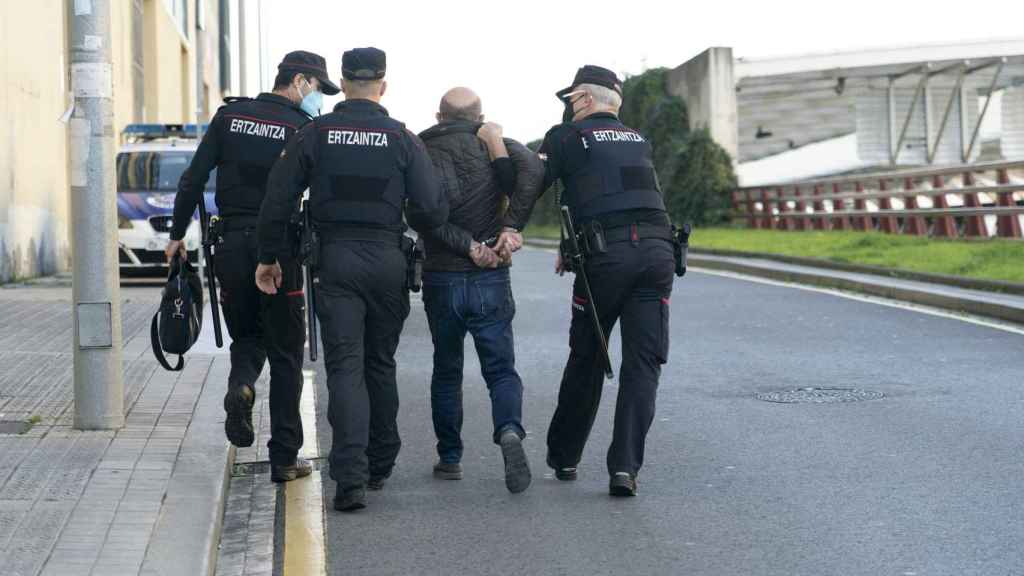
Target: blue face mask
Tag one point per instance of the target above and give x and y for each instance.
(312, 102)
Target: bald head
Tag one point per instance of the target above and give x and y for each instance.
(460, 104)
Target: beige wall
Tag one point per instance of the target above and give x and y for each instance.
(34, 202)
(33, 152)
(168, 65)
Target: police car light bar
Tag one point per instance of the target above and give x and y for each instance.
(153, 131)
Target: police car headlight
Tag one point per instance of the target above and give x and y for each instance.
(123, 223)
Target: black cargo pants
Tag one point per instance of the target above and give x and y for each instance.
(362, 304)
(632, 281)
(262, 328)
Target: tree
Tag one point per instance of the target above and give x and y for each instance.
(695, 173)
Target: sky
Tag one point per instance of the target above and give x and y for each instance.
(516, 55)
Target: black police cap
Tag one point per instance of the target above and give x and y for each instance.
(363, 64)
(591, 74)
(312, 65)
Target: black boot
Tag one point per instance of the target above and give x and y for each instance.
(238, 424)
(349, 500)
(622, 484)
(563, 473)
(299, 469)
(376, 483)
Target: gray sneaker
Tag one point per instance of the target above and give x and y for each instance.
(448, 471)
(517, 467)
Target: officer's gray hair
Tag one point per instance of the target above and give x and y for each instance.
(357, 88)
(604, 97)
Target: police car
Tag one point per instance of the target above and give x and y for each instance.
(149, 165)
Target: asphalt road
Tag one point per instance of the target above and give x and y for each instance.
(927, 480)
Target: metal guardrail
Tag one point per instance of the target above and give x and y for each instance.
(971, 200)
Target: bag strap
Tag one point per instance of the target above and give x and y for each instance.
(154, 339)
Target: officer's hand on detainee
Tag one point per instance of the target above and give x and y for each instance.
(268, 277)
(483, 256)
(490, 131)
(509, 239)
(175, 246)
(559, 269)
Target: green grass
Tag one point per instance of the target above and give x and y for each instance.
(547, 232)
(995, 259)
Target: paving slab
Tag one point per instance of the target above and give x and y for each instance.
(106, 502)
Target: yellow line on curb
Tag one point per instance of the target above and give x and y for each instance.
(304, 506)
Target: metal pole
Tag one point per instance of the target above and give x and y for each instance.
(984, 110)
(200, 105)
(198, 43)
(933, 148)
(890, 110)
(910, 113)
(243, 51)
(99, 390)
(259, 38)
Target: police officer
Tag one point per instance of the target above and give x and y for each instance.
(244, 140)
(362, 167)
(613, 195)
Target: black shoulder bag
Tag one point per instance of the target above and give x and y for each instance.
(176, 325)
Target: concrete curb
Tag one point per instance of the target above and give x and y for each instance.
(541, 242)
(938, 297)
(945, 279)
(187, 533)
(979, 297)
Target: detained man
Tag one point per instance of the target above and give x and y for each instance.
(491, 184)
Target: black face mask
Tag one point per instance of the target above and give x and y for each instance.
(568, 114)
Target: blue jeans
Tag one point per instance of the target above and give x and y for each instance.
(479, 302)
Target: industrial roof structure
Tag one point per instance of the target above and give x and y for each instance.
(907, 105)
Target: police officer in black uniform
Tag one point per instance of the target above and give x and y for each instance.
(613, 195)
(362, 169)
(244, 140)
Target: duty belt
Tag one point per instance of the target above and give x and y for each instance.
(333, 233)
(597, 236)
(236, 223)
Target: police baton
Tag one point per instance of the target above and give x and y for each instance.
(576, 256)
(209, 267)
(309, 252)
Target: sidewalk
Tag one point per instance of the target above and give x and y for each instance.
(146, 499)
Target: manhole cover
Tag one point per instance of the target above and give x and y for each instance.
(819, 396)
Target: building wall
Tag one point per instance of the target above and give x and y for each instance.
(872, 111)
(168, 64)
(1013, 123)
(34, 201)
(34, 86)
(707, 86)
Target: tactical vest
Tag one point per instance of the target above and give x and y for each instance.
(357, 179)
(618, 174)
(252, 134)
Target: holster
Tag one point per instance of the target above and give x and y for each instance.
(566, 254)
(594, 241)
(681, 244)
(215, 231)
(413, 263)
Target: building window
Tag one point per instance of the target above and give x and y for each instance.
(179, 9)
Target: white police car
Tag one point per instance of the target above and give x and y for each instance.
(149, 166)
